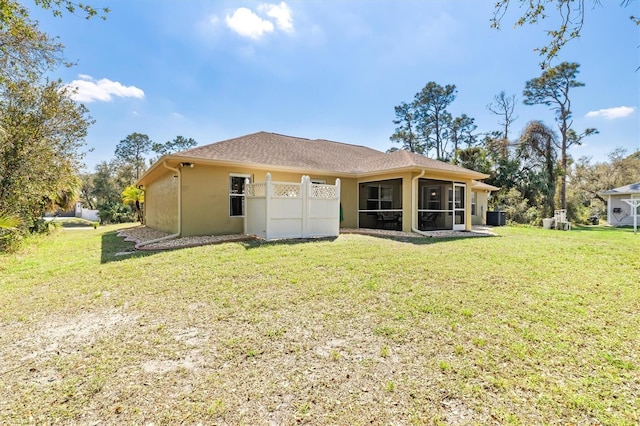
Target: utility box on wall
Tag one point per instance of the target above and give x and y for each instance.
(497, 218)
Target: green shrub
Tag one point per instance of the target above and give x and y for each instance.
(516, 206)
(11, 240)
(115, 213)
(578, 211)
(45, 227)
(534, 216)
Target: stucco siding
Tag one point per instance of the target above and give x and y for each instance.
(206, 205)
(482, 201)
(349, 202)
(205, 202)
(161, 203)
(205, 198)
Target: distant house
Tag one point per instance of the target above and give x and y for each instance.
(620, 212)
(201, 191)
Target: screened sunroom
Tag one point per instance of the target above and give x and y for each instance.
(380, 204)
(441, 205)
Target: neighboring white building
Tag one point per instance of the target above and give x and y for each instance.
(620, 212)
(86, 214)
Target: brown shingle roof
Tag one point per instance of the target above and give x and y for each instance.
(403, 159)
(484, 186)
(280, 150)
(319, 154)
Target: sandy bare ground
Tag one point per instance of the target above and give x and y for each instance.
(121, 367)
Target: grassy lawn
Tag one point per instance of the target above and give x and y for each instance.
(531, 327)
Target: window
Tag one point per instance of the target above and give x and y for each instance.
(379, 197)
(473, 203)
(236, 194)
(432, 195)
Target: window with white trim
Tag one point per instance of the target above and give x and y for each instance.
(473, 203)
(236, 193)
(379, 197)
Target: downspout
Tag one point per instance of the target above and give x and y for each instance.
(414, 204)
(177, 234)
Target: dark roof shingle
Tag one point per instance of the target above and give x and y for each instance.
(266, 148)
(280, 150)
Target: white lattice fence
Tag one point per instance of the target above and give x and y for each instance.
(323, 191)
(286, 190)
(292, 210)
(255, 190)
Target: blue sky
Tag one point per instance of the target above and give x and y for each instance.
(213, 70)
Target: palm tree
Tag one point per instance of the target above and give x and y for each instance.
(134, 196)
(8, 221)
(537, 151)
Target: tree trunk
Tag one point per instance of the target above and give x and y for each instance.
(563, 186)
(551, 178)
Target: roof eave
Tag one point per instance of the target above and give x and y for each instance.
(174, 160)
(152, 170)
(484, 186)
(619, 193)
(462, 174)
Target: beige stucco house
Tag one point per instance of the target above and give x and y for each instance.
(201, 191)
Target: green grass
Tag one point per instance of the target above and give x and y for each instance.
(531, 327)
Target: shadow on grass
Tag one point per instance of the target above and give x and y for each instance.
(434, 240)
(257, 243)
(115, 248)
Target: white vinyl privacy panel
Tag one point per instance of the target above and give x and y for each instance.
(278, 210)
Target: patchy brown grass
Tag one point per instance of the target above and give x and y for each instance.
(532, 327)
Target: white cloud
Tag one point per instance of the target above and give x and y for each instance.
(87, 89)
(248, 24)
(612, 113)
(281, 13)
